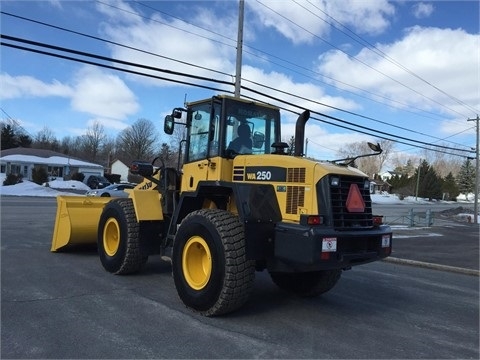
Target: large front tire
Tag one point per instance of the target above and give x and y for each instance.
(119, 238)
(211, 272)
(307, 284)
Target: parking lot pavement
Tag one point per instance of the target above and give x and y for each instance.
(450, 244)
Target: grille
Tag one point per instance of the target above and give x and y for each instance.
(295, 194)
(342, 219)
(296, 175)
(295, 198)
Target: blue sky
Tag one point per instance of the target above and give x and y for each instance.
(406, 68)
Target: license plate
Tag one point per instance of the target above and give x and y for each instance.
(329, 244)
(385, 241)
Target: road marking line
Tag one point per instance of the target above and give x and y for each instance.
(432, 266)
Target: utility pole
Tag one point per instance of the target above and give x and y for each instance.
(238, 70)
(418, 180)
(475, 205)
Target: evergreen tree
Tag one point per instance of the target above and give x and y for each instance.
(466, 178)
(12, 137)
(429, 184)
(402, 185)
(8, 137)
(450, 187)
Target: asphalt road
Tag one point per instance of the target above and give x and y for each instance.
(64, 305)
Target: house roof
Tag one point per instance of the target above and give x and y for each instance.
(42, 156)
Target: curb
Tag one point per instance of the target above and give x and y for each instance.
(454, 269)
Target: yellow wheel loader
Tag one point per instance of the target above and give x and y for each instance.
(240, 203)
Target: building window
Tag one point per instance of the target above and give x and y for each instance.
(15, 169)
(55, 171)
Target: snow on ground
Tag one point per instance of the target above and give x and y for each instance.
(28, 188)
(60, 187)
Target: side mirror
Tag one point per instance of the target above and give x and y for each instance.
(168, 125)
(258, 139)
(374, 147)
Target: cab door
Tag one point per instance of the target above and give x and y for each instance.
(202, 146)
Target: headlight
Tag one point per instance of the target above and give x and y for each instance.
(334, 181)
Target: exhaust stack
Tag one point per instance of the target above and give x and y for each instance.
(300, 132)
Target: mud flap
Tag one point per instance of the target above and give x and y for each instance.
(77, 220)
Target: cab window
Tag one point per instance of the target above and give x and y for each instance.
(261, 124)
(204, 134)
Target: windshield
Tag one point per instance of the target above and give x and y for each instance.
(258, 124)
(227, 127)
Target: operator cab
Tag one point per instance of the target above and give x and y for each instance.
(225, 126)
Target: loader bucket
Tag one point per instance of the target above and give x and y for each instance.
(77, 220)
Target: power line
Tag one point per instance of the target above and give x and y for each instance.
(115, 43)
(346, 127)
(360, 61)
(380, 53)
(85, 54)
(189, 64)
(123, 69)
(348, 112)
(261, 51)
(186, 83)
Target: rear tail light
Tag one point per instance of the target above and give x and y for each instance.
(314, 220)
(311, 220)
(377, 220)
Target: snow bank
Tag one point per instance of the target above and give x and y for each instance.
(28, 188)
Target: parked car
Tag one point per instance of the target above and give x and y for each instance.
(97, 182)
(114, 190)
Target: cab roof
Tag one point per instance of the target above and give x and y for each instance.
(223, 96)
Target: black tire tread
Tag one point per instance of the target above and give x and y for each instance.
(133, 260)
(239, 272)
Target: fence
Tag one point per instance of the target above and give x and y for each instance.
(412, 219)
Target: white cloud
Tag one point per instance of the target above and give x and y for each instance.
(118, 11)
(301, 21)
(285, 84)
(26, 86)
(109, 124)
(442, 57)
(460, 126)
(366, 17)
(178, 44)
(103, 95)
(422, 10)
(56, 3)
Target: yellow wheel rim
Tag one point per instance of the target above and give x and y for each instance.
(196, 262)
(111, 237)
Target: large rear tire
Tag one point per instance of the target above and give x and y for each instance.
(211, 272)
(307, 284)
(119, 238)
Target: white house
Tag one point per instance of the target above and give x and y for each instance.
(21, 161)
(121, 169)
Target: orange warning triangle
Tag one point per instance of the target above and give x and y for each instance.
(355, 201)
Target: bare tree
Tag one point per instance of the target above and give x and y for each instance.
(387, 147)
(177, 144)
(442, 162)
(137, 142)
(93, 141)
(45, 139)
